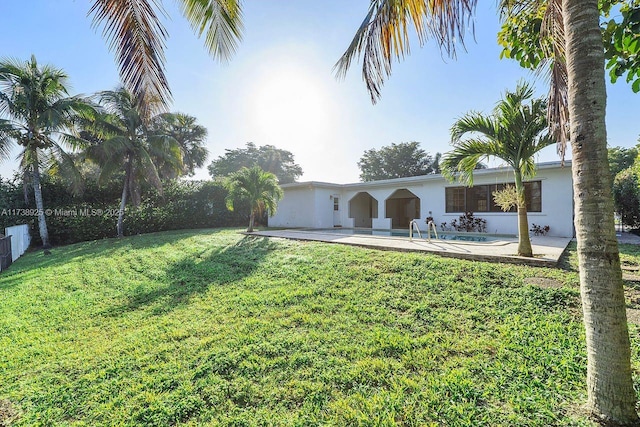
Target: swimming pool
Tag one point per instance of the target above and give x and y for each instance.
(462, 237)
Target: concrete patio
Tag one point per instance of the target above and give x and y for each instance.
(547, 250)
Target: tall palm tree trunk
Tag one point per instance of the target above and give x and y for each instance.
(524, 242)
(37, 192)
(252, 220)
(611, 397)
(123, 201)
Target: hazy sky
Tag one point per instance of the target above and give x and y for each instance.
(280, 89)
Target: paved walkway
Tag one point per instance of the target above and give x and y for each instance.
(628, 238)
(547, 250)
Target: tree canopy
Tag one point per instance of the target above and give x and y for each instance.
(190, 137)
(523, 38)
(37, 114)
(397, 161)
(621, 158)
(270, 159)
(126, 144)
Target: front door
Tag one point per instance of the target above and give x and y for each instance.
(336, 211)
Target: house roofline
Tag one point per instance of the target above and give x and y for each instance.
(413, 179)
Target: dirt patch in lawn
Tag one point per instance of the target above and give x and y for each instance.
(543, 282)
(8, 413)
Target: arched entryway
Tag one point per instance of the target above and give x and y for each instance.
(402, 206)
(362, 208)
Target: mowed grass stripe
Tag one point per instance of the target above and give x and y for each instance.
(212, 327)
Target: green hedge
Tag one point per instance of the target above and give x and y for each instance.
(93, 215)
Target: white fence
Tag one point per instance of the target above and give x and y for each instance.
(20, 239)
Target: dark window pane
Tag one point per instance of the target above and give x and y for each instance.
(533, 193)
(477, 198)
(455, 199)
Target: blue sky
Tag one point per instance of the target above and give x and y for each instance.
(280, 89)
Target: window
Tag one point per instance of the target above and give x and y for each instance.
(455, 199)
(479, 198)
(336, 203)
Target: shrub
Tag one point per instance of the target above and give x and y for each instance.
(539, 230)
(93, 215)
(626, 196)
(469, 222)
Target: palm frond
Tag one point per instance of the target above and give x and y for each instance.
(460, 162)
(383, 35)
(9, 135)
(219, 20)
(514, 133)
(558, 109)
(66, 165)
(134, 31)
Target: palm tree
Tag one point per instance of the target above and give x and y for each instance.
(611, 398)
(514, 132)
(255, 186)
(127, 145)
(384, 35)
(135, 32)
(40, 117)
(189, 135)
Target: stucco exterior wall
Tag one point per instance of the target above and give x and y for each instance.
(296, 209)
(324, 207)
(311, 204)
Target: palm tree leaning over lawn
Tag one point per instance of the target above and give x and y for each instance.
(383, 36)
(127, 145)
(514, 132)
(40, 117)
(255, 186)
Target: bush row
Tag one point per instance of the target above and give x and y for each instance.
(93, 215)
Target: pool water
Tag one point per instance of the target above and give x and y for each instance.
(405, 233)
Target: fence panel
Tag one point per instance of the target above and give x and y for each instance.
(20, 239)
(5, 253)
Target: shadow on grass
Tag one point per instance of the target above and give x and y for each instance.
(194, 275)
(36, 258)
(629, 255)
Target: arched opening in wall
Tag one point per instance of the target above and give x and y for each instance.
(363, 208)
(402, 207)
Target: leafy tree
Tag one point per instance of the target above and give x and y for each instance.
(397, 161)
(523, 36)
(126, 144)
(622, 41)
(514, 132)
(620, 159)
(626, 196)
(577, 105)
(255, 186)
(271, 159)
(189, 135)
(40, 118)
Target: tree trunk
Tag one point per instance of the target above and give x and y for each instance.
(524, 243)
(37, 192)
(123, 202)
(252, 219)
(611, 397)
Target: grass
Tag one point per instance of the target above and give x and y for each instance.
(215, 328)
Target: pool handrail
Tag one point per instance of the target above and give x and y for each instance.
(431, 225)
(413, 224)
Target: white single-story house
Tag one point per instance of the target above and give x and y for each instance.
(393, 203)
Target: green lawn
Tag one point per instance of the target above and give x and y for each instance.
(211, 327)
